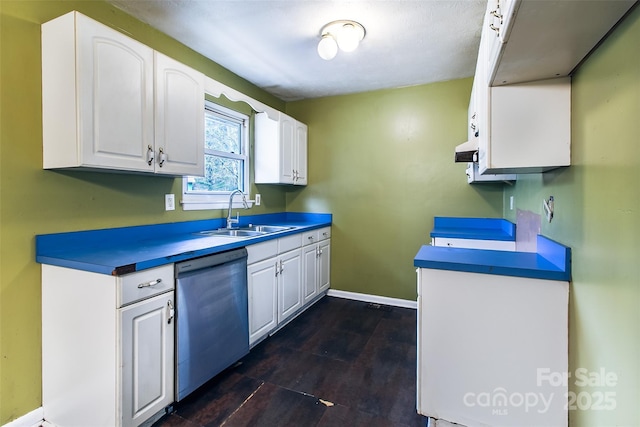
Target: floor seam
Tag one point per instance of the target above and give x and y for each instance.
(242, 404)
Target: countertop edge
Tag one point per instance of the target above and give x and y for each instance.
(505, 263)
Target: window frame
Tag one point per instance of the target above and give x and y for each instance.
(220, 200)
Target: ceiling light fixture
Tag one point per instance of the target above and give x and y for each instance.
(343, 34)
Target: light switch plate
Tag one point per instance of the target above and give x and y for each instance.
(258, 200)
(169, 202)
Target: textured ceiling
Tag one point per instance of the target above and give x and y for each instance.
(272, 43)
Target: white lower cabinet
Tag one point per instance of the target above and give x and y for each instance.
(107, 346)
(316, 258)
(263, 299)
(147, 346)
(289, 277)
(283, 277)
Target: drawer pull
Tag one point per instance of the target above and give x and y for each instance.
(149, 284)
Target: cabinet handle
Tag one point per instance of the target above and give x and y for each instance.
(325, 234)
(310, 238)
(150, 155)
(149, 284)
(163, 157)
(496, 29)
(277, 271)
(281, 267)
(170, 311)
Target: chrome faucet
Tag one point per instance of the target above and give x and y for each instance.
(231, 221)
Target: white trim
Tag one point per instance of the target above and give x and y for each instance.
(397, 302)
(215, 88)
(220, 200)
(34, 418)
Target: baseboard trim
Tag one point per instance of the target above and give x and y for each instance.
(396, 302)
(34, 418)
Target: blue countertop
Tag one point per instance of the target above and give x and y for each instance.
(552, 261)
(124, 250)
(474, 228)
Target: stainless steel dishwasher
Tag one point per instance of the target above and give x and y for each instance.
(212, 325)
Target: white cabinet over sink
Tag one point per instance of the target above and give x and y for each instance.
(280, 150)
(111, 103)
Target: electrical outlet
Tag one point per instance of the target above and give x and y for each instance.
(169, 202)
(511, 202)
(258, 200)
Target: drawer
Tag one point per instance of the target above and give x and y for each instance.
(310, 237)
(314, 236)
(497, 245)
(289, 243)
(261, 251)
(324, 233)
(144, 284)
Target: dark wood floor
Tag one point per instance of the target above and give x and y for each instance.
(341, 363)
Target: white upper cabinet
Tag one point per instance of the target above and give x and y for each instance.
(526, 127)
(300, 154)
(544, 39)
(280, 150)
(110, 102)
(521, 128)
(179, 123)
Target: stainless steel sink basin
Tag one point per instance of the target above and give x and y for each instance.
(232, 232)
(266, 228)
(247, 231)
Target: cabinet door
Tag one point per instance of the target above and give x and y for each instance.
(115, 95)
(179, 124)
(309, 272)
(146, 358)
(263, 298)
(324, 265)
(289, 283)
(288, 148)
(301, 154)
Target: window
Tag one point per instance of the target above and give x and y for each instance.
(226, 161)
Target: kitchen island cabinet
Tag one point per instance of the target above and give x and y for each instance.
(110, 102)
(492, 329)
(107, 346)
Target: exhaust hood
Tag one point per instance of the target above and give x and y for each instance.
(467, 151)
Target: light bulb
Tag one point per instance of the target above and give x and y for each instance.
(348, 38)
(327, 48)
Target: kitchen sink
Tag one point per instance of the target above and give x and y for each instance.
(265, 228)
(247, 231)
(232, 232)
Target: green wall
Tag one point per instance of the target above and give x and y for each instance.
(34, 201)
(382, 163)
(597, 214)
